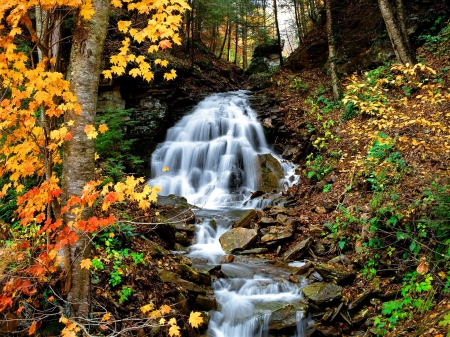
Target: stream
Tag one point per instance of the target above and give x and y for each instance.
(213, 158)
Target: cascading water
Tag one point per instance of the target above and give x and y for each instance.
(212, 153)
(212, 158)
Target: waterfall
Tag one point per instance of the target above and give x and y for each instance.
(212, 153)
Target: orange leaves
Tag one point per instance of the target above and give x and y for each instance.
(32, 328)
(90, 131)
(86, 264)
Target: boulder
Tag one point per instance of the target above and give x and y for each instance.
(254, 251)
(270, 172)
(297, 250)
(171, 277)
(322, 292)
(246, 219)
(334, 272)
(238, 239)
(193, 275)
(205, 303)
(277, 233)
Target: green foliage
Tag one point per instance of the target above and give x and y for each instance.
(316, 167)
(297, 84)
(327, 188)
(446, 322)
(125, 294)
(113, 148)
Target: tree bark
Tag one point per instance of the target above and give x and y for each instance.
(403, 29)
(397, 39)
(224, 38)
(229, 42)
(275, 11)
(78, 165)
(332, 52)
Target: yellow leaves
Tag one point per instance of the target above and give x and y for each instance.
(86, 264)
(123, 26)
(135, 72)
(163, 63)
(195, 319)
(171, 75)
(87, 10)
(146, 308)
(106, 317)
(174, 331)
(165, 309)
(90, 131)
(165, 169)
(116, 3)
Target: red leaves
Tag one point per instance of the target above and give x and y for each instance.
(5, 301)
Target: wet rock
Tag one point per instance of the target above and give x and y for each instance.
(179, 248)
(190, 228)
(292, 278)
(322, 292)
(292, 153)
(287, 221)
(334, 272)
(170, 277)
(270, 172)
(336, 312)
(253, 251)
(246, 219)
(191, 286)
(238, 239)
(297, 250)
(286, 316)
(154, 249)
(359, 299)
(256, 194)
(227, 259)
(205, 303)
(277, 233)
(303, 269)
(167, 232)
(193, 275)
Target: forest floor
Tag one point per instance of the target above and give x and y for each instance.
(375, 178)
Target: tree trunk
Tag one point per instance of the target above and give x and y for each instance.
(224, 38)
(229, 42)
(403, 29)
(275, 11)
(332, 52)
(236, 44)
(244, 45)
(397, 39)
(303, 19)
(78, 166)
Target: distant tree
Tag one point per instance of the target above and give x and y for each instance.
(332, 52)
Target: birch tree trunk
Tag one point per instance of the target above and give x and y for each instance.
(399, 44)
(332, 52)
(78, 166)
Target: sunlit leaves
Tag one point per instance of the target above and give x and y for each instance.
(86, 264)
(195, 319)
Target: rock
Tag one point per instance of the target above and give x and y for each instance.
(253, 251)
(359, 299)
(292, 278)
(319, 248)
(256, 194)
(191, 286)
(317, 231)
(320, 185)
(334, 272)
(190, 228)
(292, 153)
(329, 331)
(277, 233)
(182, 238)
(205, 303)
(275, 210)
(238, 239)
(361, 316)
(245, 219)
(336, 312)
(286, 316)
(270, 173)
(195, 276)
(154, 249)
(264, 221)
(179, 248)
(320, 210)
(297, 250)
(322, 292)
(287, 221)
(170, 277)
(167, 232)
(303, 269)
(341, 259)
(227, 259)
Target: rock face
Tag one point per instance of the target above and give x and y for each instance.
(245, 219)
(238, 239)
(265, 55)
(286, 316)
(322, 292)
(271, 173)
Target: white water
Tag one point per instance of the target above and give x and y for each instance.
(211, 154)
